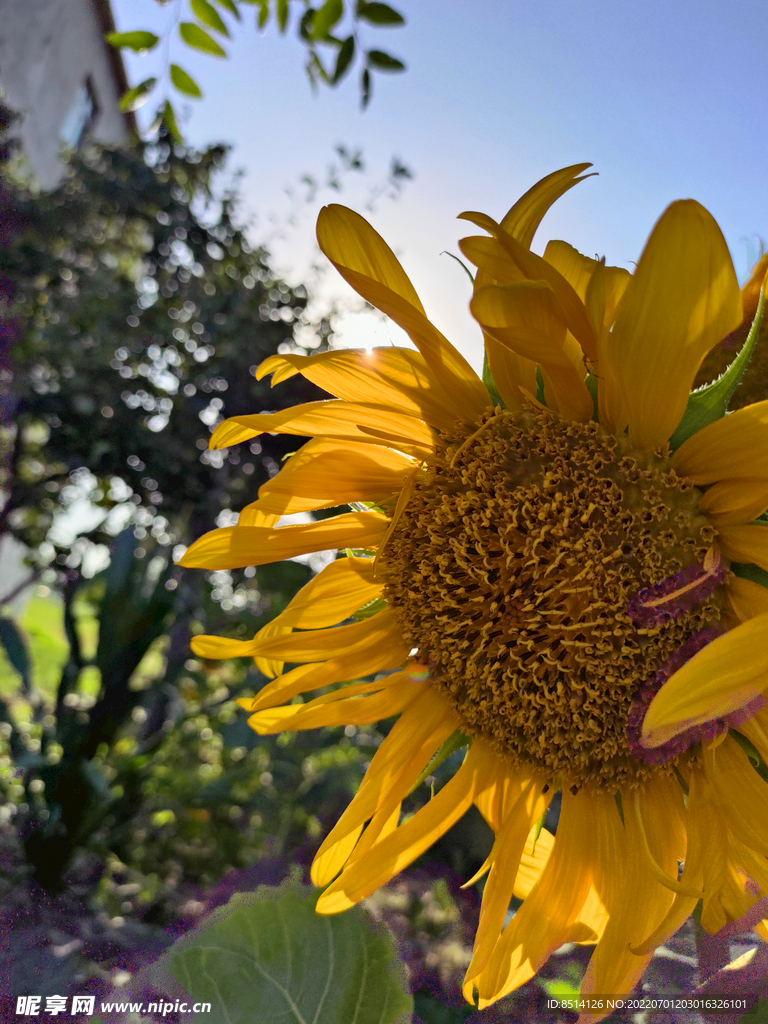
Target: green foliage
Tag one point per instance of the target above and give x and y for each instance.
(139, 42)
(318, 29)
(758, 1015)
(271, 953)
(199, 39)
(184, 82)
(137, 96)
(143, 307)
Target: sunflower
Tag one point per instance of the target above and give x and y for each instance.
(556, 567)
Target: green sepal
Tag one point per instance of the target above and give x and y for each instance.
(539, 385)
(537, 832)
(710, 402)
(373, 607)
(747, 571)
(490, 387)
(680, 779)
(619, 805)
(455, 742)
(591, 381)
(752, 753)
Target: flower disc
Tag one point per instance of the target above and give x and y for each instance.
(512, 570)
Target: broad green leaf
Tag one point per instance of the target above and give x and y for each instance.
(379, 14)
(365, 88)
(710, 402)
(281, 10)
(138, 95)
(138, 41)
(344, 59)
(760, 1016)
(184, 82)
(326, 17)
(208, 15)
(230, 6)
(16, 651)
(271, 958)
(198, 39)
(384, 61)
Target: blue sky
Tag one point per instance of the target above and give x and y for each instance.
(667, 98)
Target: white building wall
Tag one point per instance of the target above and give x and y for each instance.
(48, 50)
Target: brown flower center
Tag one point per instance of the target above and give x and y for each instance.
(512, 569)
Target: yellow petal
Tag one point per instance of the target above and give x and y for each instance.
(399, 761)
(337, 591)
(233, 547)
(626, 882)
(366, 262)
(346, 665)
(536, 853)
(734, 446)
(325, 473)
(396, 378)
(307, 645)
(745, 544)
(506, 856)
(705, 854)
(524, 217)
(546, 918)
(733, 502)
(389, 701)
(740, 792)
(724, 676)
(512, 374)
(385, 858)
(682, 299)
(537, 269)
(526, 318)
(329, 863)
(747, 598)
(253, 515)
(355, 421)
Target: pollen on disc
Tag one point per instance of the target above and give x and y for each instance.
(512, 570)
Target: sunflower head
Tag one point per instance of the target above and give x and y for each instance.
(558, 567)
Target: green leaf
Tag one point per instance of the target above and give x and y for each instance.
(281, 10)
(365, 88)
(273, 952)
(141, 42)
(231, 6)
(195, 37)
(263, 13)
(209, 16)
(326, 17)
(16, 651)
(384, 61)
(710, 402)
(343, 59)
(379, 14)
(757, 1016)
(138, 95)
(168, 119)
(184, 82)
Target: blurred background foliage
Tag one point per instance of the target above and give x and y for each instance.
(133, 311)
